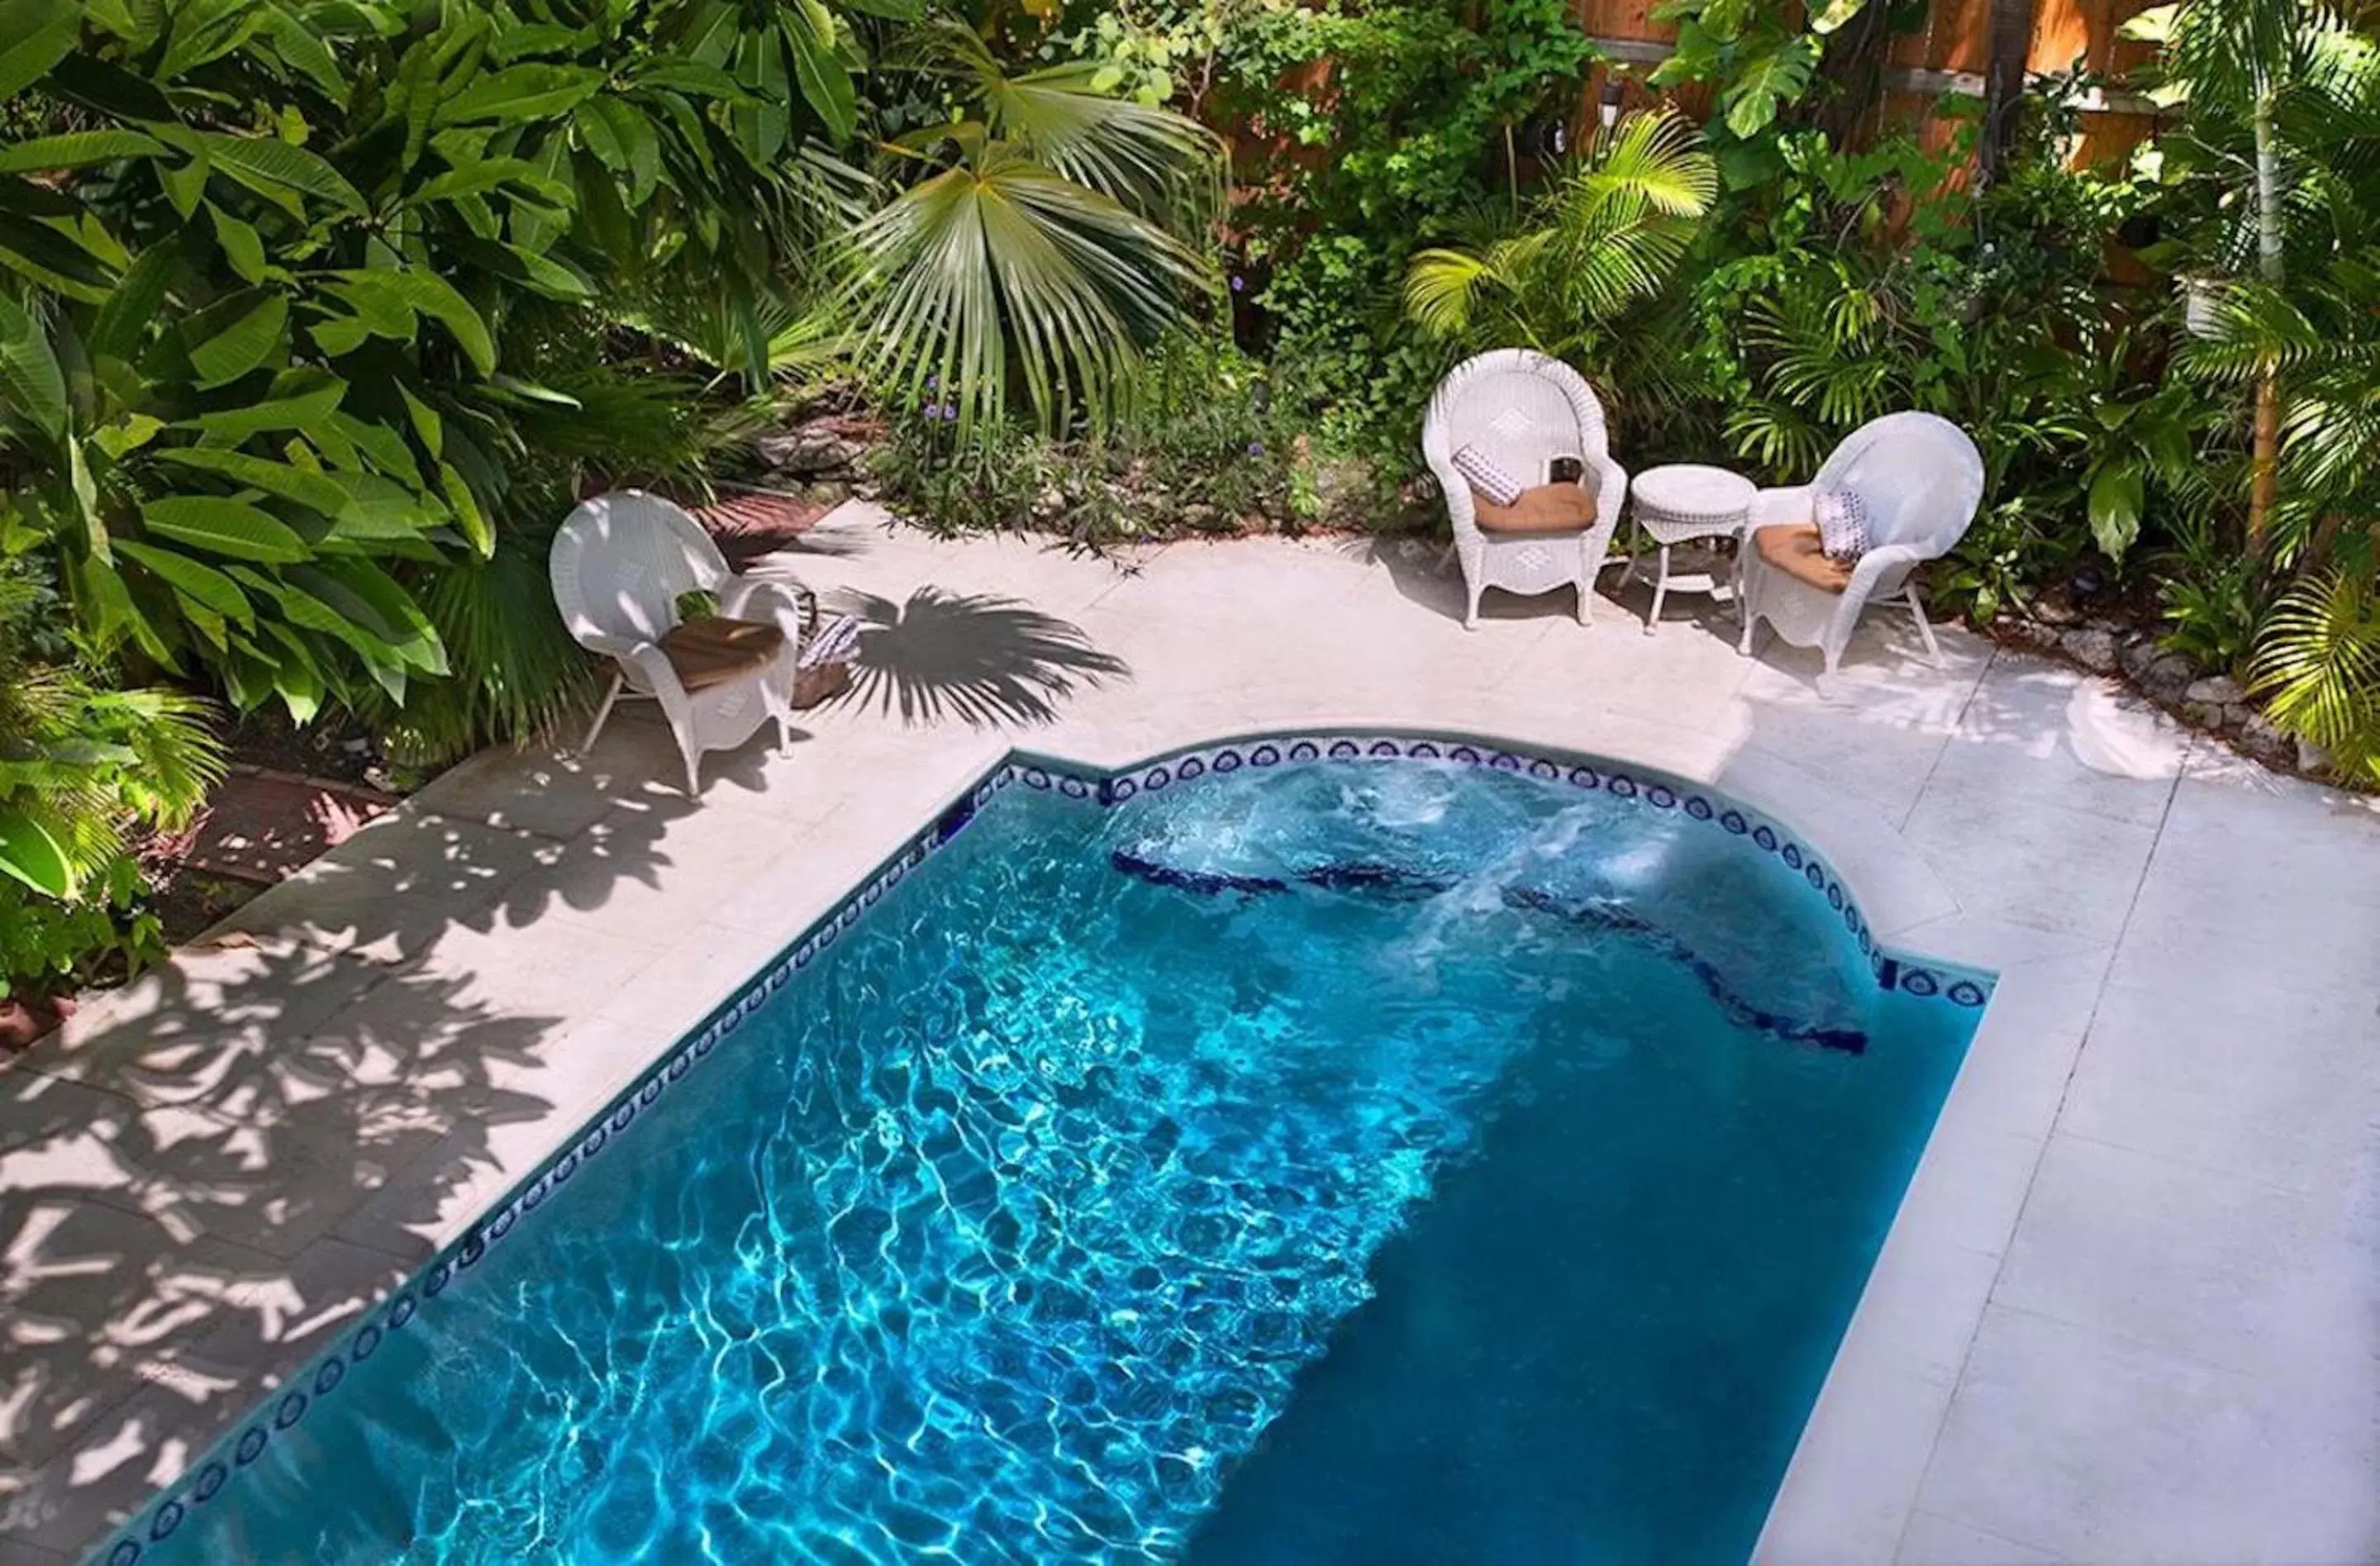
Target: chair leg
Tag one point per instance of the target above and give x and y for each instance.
(1917, 608)
(1471, 611)
(1586, 598)
(1743, 611)
(603, 714)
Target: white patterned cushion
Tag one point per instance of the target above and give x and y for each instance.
(1487, 475)
(1841, 517)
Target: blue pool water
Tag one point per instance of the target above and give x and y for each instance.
(1350, 1162)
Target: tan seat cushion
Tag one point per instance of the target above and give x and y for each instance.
(710, 650)
(1548, 508)
(1796, 551)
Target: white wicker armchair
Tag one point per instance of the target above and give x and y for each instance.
(618, 566)
(1920, 478)
(1524, 410)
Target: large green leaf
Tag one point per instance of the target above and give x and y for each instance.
(232, 425)
(229, 528)
(241, 245)
(368, 598)
(77, 149)
(32, 854)
(34, 36)
(541, 275)
(204, 31)
(199, 581)
(302, 47)
(265, 164)
(705, 81)
(521, 94)
(55, 258)
(2119, 491)
(432, 295)
(1767, 81)
(481, 174)
(312, 491)
(106, 88)
(467, 509)
(133, 306)
(826, 85)
(36, 392)
(251, 339)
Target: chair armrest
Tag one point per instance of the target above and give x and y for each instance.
(790, 606)
(1793, 507)
(1462, 512)
(1875, 563)
(1612, 492)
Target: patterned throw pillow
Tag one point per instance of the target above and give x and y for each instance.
(1841, 517)
(1487, 475)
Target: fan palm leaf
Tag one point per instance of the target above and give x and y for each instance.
(1146, 158)
(999, 269)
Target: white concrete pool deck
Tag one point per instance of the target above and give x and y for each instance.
(2130, 1311)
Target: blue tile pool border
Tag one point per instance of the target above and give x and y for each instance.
(238, 1448)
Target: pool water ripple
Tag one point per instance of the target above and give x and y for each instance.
(1016, 1226)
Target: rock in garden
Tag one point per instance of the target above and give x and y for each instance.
(2261, 739)
(2166, 678)
(2219, 690)
(821, 448)
(2092, 648)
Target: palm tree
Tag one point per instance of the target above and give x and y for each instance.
(2238, 58)
(1047, 250)
(1607, 235)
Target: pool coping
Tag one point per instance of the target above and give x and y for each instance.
(1829, 1466)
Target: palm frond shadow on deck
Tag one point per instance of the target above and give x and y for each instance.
(973, 658)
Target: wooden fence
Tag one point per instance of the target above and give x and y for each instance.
(1948, 54)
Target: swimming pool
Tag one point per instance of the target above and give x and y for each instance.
(1345, 1149)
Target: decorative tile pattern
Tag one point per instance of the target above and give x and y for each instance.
(307, 1389)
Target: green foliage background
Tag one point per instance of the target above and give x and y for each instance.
(316, 316)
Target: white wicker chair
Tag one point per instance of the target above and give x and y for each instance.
(1920, 478)
(1524, 410)
(618, 565)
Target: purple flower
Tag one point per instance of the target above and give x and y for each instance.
(933, 382)
(951, 412)
(1255, 448)
(1239, 285)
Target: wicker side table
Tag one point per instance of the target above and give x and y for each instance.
(1685, 502)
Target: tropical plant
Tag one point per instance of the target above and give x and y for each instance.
(2263, 75)
(2317, 663)
(81, 763)
(291, 288)
(1605, 234)
(1045, 256)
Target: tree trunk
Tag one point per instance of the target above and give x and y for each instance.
(2263, 470)
(2011, 45)
(1853, 70)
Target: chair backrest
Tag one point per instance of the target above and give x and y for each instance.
(621, 560)
(1520, 407)
(1918, 476)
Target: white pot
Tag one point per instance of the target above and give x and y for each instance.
(2200, 296)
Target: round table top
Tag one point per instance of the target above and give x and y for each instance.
(1690, 489)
